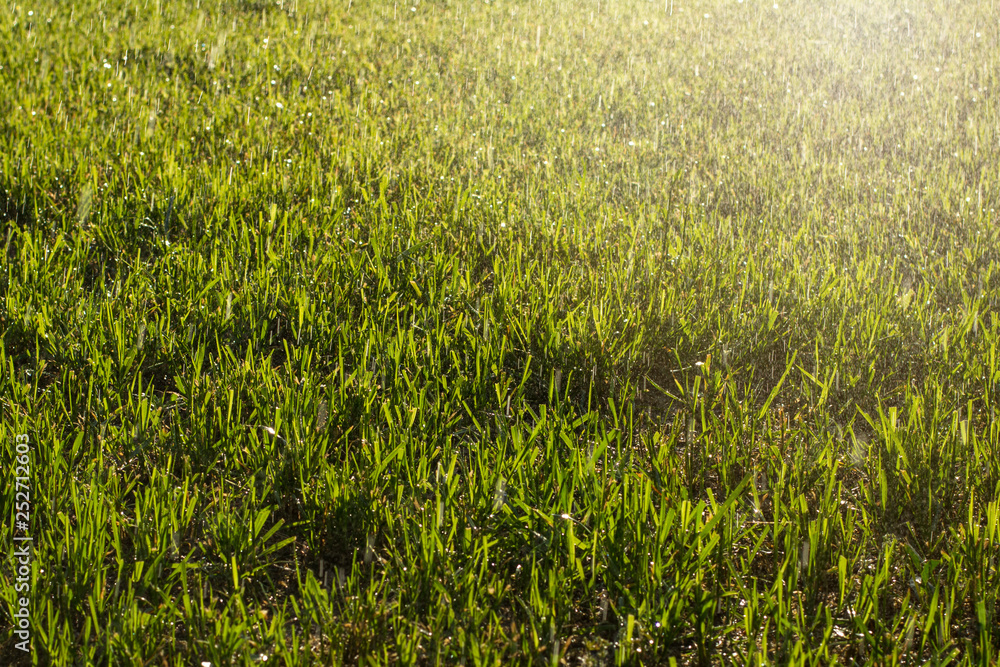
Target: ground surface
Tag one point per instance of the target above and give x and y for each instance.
(605, 332)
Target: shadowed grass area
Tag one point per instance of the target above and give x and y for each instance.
(506, 332)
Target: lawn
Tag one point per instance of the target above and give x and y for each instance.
(582, 332)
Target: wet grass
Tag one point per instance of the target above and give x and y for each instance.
(503, 332)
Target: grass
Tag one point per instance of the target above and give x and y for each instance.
(455, 332)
